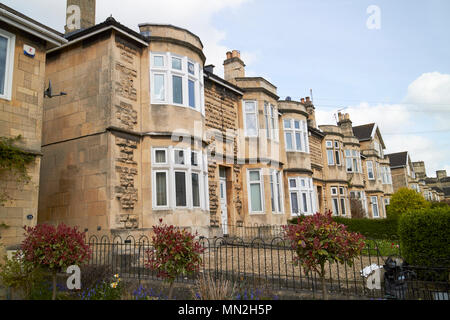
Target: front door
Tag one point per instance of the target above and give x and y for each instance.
(223, 205)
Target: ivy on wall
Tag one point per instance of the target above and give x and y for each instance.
(13, 160)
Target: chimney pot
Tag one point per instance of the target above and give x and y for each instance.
(229, 55)
(307, 99)
(236, 54)
(302, 100)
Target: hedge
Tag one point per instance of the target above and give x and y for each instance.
(370, 228)
(425, 236)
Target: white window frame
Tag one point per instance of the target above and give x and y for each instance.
(340, 194)
(255, 113)
(9, 64)
(276, 191)
(376, 205)
(154, 196)
(302, 130)
(261, 183)
(354, 156)
(370, 169)
(303, 189)
(185, 75)
(170, 167)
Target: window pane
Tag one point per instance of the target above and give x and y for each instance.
(287, 124)
(195, 191)
(158, 61)
(191, 68)
(335, 207)
(343, 206)
(161, 189)
(338, 158)
(3, 54)
(330, 157)
(194, 159)
(292, 183)
(254, 176)
(298, 141)
(294, 202)
(297, 124)
(289, 141)
(179, 157)
(305, 204)
(177, 83)
(160, 156)
(250, 124)
(250, 106)
(176, 63)
(272, 200)
(180, 189)
(192, 94)
(255, 195)
(159, 87)
(349, 164)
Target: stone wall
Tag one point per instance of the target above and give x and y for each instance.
(22, 115)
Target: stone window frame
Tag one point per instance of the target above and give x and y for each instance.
(184, 73)
(171, 168)
(302, 130)
(262, 193)
(386, 177)
(9, 64)
(276, 191)
(304, 187)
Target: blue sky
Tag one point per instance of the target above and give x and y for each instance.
(397, 76)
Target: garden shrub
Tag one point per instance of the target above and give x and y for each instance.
(318, 239)
(372, 228)
(425, 236)
(404, 200)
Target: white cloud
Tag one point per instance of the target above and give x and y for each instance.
(426, 108)
(196, 16)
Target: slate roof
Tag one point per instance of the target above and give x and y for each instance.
(398, 159)
(363, 132)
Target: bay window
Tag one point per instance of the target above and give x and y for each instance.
(176, 80)
(178, 183)
(302, 196)
(296, 135)
(353, 161)
(334, 153)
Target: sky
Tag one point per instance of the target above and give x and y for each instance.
(381, 61)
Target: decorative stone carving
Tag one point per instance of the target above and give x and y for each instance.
(125, 86)
(126, 115)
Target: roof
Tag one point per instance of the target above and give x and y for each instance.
(399, 159)
(222, 82)
(109, 23)
(31, 26)
(364, 132)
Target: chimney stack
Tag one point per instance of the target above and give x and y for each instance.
(80, 14)
(234, 67)
(346, 124)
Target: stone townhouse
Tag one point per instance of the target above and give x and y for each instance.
(403, 173)
(23, 43)
(147, 131)
(350, 170)
(432, 188)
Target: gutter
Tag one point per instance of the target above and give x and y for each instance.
(31, 28)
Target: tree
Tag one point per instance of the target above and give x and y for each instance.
(55, 248)
(318, 239)
(175, 253)
(404, 200)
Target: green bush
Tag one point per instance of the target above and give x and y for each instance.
(425, 236)
(405, 200)
(371, 228)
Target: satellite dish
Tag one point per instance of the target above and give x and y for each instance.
(48, 92)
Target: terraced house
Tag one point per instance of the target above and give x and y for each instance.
(23, 43)
(147, 131)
